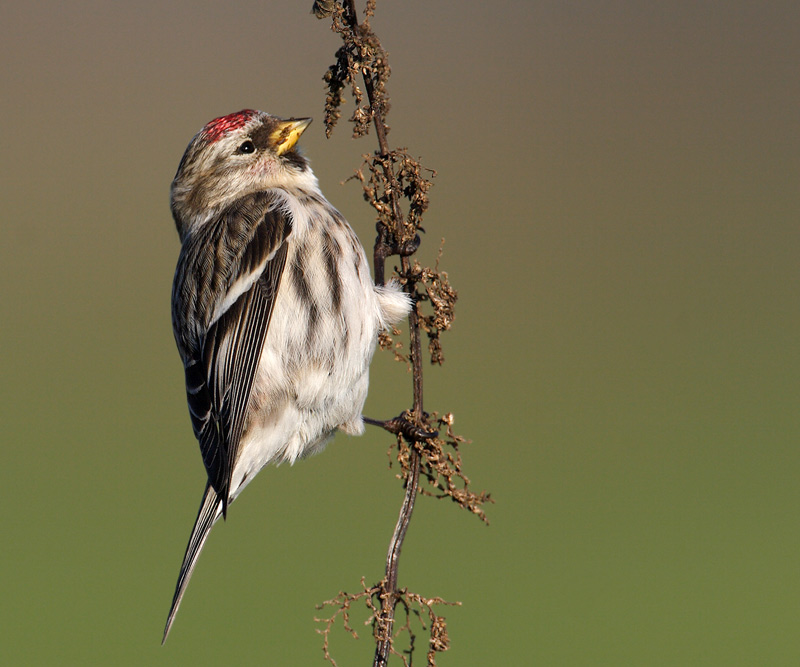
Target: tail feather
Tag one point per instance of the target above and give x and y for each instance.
(210, 511)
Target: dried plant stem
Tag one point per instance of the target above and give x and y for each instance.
(385, 620)
(395, 184)
(389, 599)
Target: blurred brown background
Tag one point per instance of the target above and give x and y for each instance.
(618, 186)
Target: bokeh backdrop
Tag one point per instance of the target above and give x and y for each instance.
(618, 187)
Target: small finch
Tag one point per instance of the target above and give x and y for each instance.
(274, 311)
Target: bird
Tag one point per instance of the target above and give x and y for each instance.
(274, 310)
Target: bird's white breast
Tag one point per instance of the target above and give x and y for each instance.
(313, 373)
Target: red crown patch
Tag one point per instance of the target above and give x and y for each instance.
(216, 128)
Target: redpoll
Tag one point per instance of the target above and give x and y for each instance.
(274, 311)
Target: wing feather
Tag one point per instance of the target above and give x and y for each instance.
(225, 289)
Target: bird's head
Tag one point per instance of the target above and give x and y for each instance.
(234, 156)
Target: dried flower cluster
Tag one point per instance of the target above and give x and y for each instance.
(405, 177)
(415, 607)
(361, 54)
(441, 466)
(442, 298)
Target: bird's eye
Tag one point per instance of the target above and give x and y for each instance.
(246, 147)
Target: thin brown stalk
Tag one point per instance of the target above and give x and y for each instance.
(389, 598)
(395, 185)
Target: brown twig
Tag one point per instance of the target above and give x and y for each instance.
(395, 176)
(385, 620)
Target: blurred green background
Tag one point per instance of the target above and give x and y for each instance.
(618, 186)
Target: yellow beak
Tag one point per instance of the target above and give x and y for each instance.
(288, 132)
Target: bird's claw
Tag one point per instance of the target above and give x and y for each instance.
(386, 245)
(402, 425)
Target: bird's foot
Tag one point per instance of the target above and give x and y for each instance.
(402, 425)
(386, 245)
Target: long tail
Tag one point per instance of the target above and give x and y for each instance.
(210, 511)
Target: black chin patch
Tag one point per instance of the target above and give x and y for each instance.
(296, 159)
